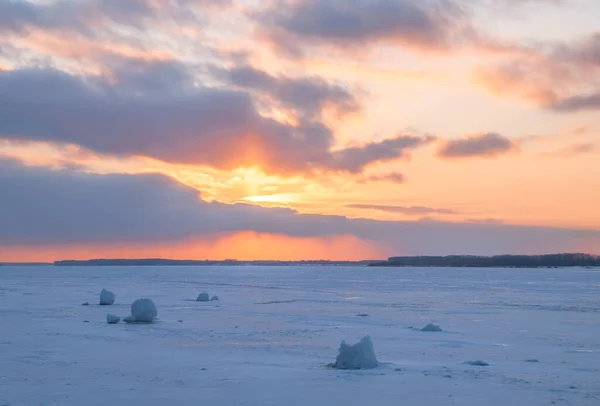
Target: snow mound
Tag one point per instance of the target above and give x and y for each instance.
(106, 297)
(477, 363)
(431, 328)
(143, 311)
(215, 297)
(112, 319)
(203, 297)
(358, 356)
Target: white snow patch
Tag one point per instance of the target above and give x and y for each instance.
(143, 311)
(107, 298)
(203, 297)
(431, 328)
(112, 319)
(358, 356)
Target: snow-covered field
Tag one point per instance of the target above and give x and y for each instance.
(268, 339)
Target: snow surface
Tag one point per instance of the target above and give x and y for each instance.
(270, 341)
(358, 356)
(203, 297)
(143, 310)
(107, 298)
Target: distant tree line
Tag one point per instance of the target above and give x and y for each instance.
(178, 262)
(515, 261)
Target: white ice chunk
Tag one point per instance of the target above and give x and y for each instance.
(203, 297)
(129, 319)
(143, 311)
(477, 363)
(358, 356)
(112, 319)
(106, 297)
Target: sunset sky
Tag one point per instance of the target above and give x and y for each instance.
(298, 129)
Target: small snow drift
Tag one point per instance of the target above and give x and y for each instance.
(112, 319)
(107, 298)
(477, 363)
(215, 297)
(431, 328)
(143, 311)
(358, 356)
(203, 297)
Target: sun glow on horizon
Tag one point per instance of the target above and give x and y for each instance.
(243, 246)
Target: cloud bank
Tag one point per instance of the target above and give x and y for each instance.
(424, 25)
(42, 206)
(155, 109)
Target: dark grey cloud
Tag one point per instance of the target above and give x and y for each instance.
(560, 76)
(483, 145)
(218, 127)
(585, 50)
(408, 210)
(83, 16)
(308, 95)
(354, 159)
(18, 16)
(40, 206)
(155, 110)
(427, 24)
(578, 103)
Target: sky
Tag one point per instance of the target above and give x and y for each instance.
(298, 129)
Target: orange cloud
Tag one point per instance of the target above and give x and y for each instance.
(87, 51)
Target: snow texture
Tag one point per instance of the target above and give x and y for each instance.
(112, 319)
(431, 328)
(203, 297)
(358, 356)
(143, 311)
(107, 298)
(290, 321)
(214, 297)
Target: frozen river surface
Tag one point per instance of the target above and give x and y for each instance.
(268, 339)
